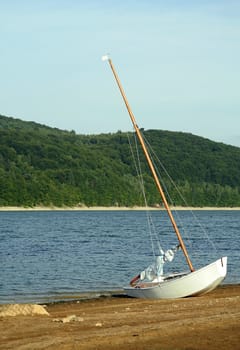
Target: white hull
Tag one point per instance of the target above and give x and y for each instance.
(184, 285)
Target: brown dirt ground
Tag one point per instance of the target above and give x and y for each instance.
(208, 322)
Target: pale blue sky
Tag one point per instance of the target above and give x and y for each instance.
(178, 62)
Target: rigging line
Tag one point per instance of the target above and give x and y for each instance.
(139, 175)
(176, 213)
(151, 226)
(159, 187)
(149, 216)
(137, 168)
(137, 163)
(182, 198)
(153, 157)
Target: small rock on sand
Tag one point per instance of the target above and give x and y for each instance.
(70, 318)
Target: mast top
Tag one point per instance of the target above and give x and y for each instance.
(106, 57)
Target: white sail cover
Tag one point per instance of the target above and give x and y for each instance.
(154, 272)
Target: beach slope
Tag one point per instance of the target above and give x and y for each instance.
(119, 322)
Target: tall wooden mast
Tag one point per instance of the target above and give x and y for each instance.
(159, 187)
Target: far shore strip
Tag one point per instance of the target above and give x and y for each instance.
(85, 208)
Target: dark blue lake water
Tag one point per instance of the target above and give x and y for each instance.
(48, 255)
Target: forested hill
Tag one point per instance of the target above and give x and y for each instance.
(46, 166)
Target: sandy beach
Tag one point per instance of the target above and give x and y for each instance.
(119, 322)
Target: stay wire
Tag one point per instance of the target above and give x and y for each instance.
(203, 230)
(137, 163)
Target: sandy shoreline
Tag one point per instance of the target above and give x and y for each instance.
(118, 322)
(40, 208)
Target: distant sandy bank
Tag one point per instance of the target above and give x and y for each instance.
(52, 208)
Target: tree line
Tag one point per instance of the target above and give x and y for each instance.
(46, 166)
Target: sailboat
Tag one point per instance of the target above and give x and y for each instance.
(152, 283)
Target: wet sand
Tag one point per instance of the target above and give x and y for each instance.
(118, 322)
